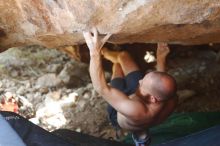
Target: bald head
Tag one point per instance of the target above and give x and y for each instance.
(160, 84)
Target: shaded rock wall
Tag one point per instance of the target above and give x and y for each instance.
(60, 22)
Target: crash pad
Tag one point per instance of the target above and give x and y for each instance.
(181, 124)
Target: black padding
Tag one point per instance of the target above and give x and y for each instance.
(33, 135)
(80, 139)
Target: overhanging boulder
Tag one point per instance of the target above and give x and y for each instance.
(56, 23)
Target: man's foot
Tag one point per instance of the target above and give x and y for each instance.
(110, 55)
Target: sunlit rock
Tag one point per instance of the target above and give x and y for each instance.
(61, 22)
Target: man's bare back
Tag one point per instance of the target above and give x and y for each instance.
(157, 114)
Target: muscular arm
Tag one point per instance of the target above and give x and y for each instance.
(162, 51)
(114, 97)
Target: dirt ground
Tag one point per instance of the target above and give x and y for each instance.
(79, 107)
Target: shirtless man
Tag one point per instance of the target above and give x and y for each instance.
(137, 101)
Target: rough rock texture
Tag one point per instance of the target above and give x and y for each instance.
(61, 22)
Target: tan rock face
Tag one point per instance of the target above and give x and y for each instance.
(56, 23)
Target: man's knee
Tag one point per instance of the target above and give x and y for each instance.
(123, 56)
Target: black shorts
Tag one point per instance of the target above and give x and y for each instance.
(127, 85)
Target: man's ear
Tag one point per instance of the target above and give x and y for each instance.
(153, 99)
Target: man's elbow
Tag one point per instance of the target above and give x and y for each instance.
(102, 90)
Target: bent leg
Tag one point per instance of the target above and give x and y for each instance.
(118, 80)
(117, 71)
(126, 62)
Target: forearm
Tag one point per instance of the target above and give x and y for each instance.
(96, 73)
(161, 64)
(162, 52)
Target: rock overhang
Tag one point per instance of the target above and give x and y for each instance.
(54, 23)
